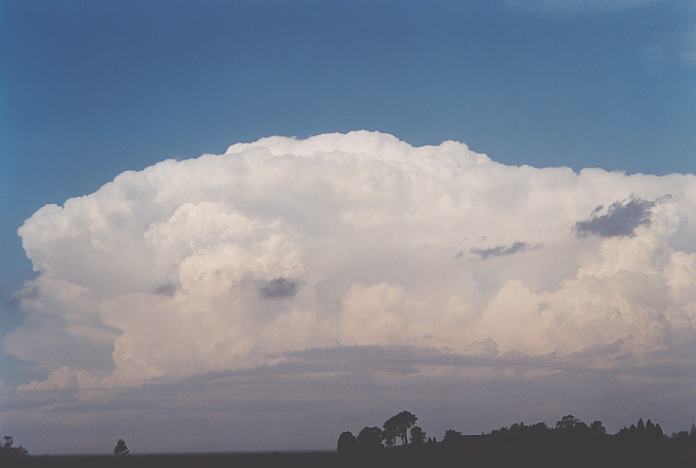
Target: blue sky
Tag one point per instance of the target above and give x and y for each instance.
(90, 89)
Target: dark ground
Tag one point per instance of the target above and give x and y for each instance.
(481, 457)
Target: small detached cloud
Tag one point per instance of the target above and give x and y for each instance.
(621, 218)
(167, 289)
(503, 250)
(277, 288)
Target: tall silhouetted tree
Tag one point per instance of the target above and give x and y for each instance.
(121, 448)
(417, 435)
(346, 442)
(400, 424)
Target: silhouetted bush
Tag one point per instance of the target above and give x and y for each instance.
(347, 443)
(370, 438)
(452, 437)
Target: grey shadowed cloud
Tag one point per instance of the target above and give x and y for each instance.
(503, 250)
(621, 218)
(278, 288)
(167, 289)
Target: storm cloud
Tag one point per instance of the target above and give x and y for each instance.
(235, 261)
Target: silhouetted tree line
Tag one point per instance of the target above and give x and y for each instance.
(399, 428)
(568, 431)
(7, 449)
(572, 431)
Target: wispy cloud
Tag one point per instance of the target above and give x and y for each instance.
(579, 7)
(676, 47)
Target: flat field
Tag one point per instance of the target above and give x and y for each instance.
(428, 457)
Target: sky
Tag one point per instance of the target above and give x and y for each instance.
(479, 211)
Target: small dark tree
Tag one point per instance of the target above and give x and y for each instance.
(681, 439)
(417, 435)
(568, 422)
(452, 437)
(121, 448)
(8, 448)
(370, 438)
(346, 442)
(598, 428)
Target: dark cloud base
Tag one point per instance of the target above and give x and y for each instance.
(320, 392)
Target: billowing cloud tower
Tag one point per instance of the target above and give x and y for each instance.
(231, 261)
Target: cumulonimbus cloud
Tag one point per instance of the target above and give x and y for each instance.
(223, 261)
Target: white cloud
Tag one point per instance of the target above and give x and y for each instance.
(224, 261)
(63, 378)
